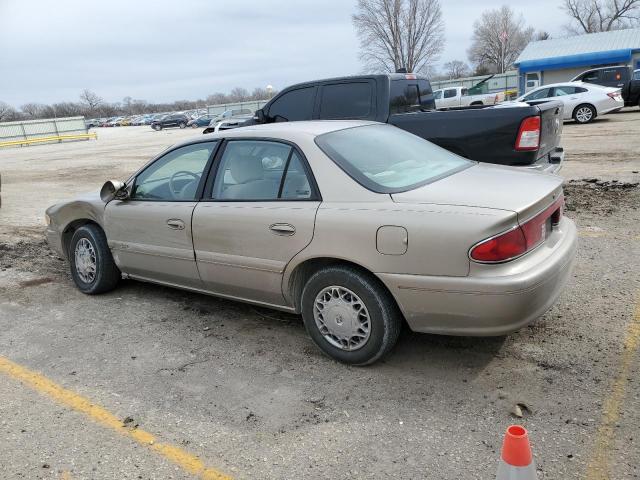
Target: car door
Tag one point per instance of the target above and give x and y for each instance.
(257, 213)
(293, 105)
(150, 232)
(450, 98)
(570, 96)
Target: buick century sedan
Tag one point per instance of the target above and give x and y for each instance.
(357, 226)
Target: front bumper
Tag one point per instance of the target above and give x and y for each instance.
(55, 241)
(493, 299)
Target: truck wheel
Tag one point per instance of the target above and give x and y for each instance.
(92, 266)
(350, 316)
(584, 113)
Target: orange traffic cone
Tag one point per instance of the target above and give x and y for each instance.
(516, 462)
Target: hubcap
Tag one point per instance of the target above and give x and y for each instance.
(342, 318)
(584, 114)
(85, 259)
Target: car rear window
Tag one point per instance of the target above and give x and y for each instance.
(386, 159)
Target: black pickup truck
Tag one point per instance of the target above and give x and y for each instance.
(620, 76)
(520, 135)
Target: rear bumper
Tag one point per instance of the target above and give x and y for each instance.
(484, 304)
(550, 163)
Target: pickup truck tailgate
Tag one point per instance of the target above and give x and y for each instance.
(551, 114)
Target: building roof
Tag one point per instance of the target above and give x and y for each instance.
(602, 47)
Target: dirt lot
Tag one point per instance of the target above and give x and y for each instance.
(245, 391)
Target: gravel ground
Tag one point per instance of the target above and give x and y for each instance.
(244, 388)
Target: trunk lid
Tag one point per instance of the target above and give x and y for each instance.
(490, 186)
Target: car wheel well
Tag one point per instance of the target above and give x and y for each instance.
(595, 111)
(70, 229)
(303, 272)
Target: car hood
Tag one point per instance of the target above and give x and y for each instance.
(490, 186)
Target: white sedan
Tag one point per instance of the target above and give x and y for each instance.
(582, 101)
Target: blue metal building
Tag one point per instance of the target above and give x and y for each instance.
(560, 59)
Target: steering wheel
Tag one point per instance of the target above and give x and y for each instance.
(172, 189)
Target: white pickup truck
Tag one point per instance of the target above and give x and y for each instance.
(460, 97)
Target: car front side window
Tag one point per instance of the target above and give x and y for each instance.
(174, 176)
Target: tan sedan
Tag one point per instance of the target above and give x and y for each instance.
(358, 226)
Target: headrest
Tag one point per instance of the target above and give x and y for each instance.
(246, 169)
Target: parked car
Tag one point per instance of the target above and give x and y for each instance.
(92, 122)
(170, 121)
(520, 135)
(201, 121)
(114, 122)
(582, 101)
(621, 77)
(336, 221)
(460, 97)
(226, 123)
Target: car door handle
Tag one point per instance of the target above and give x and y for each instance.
(175, 224)
(282, 229)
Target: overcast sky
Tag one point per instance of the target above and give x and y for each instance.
(165, 50)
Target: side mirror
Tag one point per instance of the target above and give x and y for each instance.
(260, 117)
(113, 189)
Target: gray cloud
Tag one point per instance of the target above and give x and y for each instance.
(164, 50)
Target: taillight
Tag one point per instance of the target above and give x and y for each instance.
(529, 134)
(615, 95)
(521, 239)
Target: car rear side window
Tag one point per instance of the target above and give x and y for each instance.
(450, 93)
(293, 105)
(346, 100)
(386, 159)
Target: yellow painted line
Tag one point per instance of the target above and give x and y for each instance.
(188, 462)
(55, 138)
(66, 475)
(599, 467)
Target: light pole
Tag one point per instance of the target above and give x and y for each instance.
(269, 91)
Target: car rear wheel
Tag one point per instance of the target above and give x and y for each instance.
(157, 128)
(349, 315)
(584, 113)
(182, 124)
(92, 266)
(194, 125)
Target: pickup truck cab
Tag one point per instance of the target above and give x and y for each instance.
(621, 76)
(522, 135)
(460, 97)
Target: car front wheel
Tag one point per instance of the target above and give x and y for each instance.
(182, 124)
(584, 113)
(350, 315)
(92, 266)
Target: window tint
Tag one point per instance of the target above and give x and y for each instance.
(386, 159)
(590, 77)
(542, 93)
(174, 176)
(565, 90)
(437, 94)
(411, 96)
(254, 170)
(464, 92)
(346, 100)
(450, 93)
(293, 105)
(613, 75)
(581, 90)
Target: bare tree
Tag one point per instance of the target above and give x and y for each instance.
(456, 69)
(542, 35)
(498, 38)
(398, 34)
(33, 110)
(90, 99)
(239, 94)
(7, 112)
(590, 16)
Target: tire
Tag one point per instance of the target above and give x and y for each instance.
(182, 125)
(347, 289)
(194, 125)
(107, 274)
(584, 113)
(157, 128)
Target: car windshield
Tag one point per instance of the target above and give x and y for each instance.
(386, 159)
